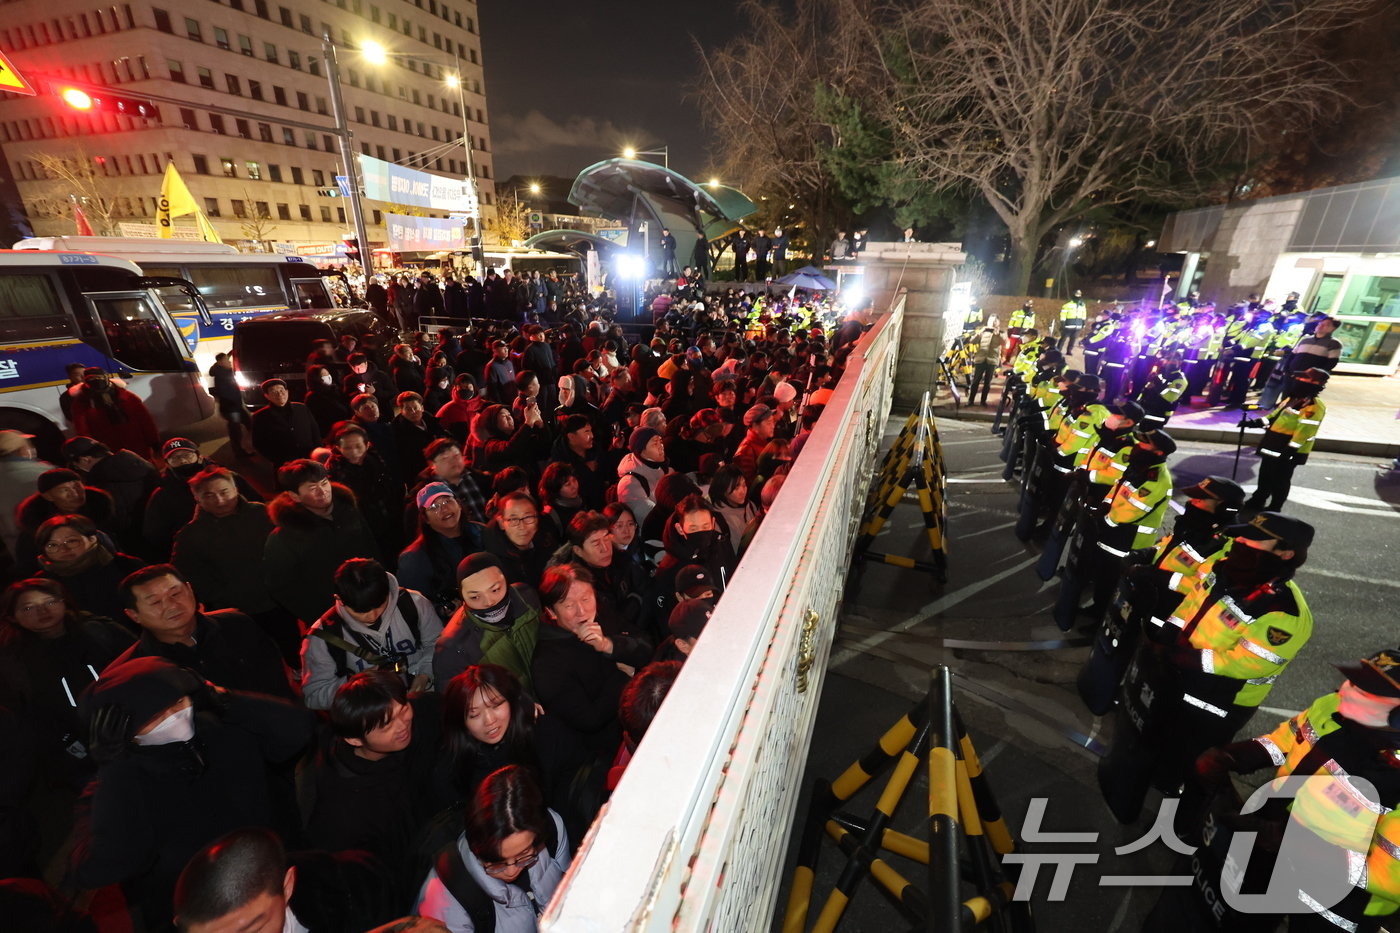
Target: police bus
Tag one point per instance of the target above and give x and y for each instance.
(61, 308)
(235, 286)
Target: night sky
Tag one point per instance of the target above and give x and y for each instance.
(572, 83)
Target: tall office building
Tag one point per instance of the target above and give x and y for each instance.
(262, 59)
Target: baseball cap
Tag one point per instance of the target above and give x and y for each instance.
(1219, 488)
(1159, 441)
(50, 478)
(785, 392)
(688, 619)
(1128, 408)
(1291, 533)
(82, 446)
(757, 414)
(432, 491)
(177, 443)
(693, 581)
(12, 442)
(1378, 674)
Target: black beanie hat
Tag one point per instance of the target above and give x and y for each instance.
(141, 687)
(475, 563)
(51, 478)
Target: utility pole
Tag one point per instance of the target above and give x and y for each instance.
(347, 154)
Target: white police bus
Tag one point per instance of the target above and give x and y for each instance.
(62, 308)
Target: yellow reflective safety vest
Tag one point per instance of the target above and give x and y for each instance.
(1248, 638)
(1367, 829)
(1072, 313)
(1137, 509)
(1292, 431)
(1021, 318)
(1078, 435)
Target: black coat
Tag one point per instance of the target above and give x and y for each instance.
(327, 406)
(230, 650)
(454, 300)
(304, 550)
(94, 590)
(580, 687)
(223, 558)
(378, 492)
(284, 434)
(171, 507)
(129, 479)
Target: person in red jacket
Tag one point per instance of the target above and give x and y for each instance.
(114, 416)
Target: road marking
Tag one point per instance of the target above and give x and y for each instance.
(1329, 501)
(1353, 577)
(941, 604)
(1286, 713)
(973, 534)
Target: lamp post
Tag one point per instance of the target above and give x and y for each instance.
(664, 152)
(347, 154)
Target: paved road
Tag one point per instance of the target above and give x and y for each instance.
(1019, 698)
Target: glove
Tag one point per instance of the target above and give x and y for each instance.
(109, 734)
(211, 696)
(1214, 765)
(1251, 423)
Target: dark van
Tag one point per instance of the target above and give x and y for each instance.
(277, 345)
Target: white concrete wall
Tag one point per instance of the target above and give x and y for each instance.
(1246, 248)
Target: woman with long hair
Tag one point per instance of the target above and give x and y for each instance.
(559, 492)
(729, 493)
(73, 552)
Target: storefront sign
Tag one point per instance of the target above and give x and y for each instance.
(385, 181)
(417, 234)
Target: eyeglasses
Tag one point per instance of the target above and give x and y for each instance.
(496, 869)
(440, 503)
(64, 544)
(523, 520)
(32, 608)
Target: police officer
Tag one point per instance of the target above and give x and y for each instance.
(1201, 675)
(1072, 317)
(1163, 389)
(1346, 825)
(1288, 441)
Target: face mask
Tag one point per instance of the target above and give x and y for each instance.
(187, 470)
(702, 541)
(1248, 566)
(326, 379)
(1194, 521)
(177, 727)
(1299, 389)
(496, 614)
(1142, 459)
(1364, 708)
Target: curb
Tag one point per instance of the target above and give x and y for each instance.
(1182, 432)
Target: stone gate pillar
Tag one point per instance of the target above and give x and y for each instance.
(925, 271)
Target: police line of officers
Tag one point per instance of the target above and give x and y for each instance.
(1193, 628)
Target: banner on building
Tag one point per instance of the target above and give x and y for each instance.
(419, 234)
(385, 181)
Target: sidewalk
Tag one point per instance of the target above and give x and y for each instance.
(1363, 416)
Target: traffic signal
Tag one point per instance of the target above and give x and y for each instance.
(97, 101)
(328, 192)
(352, 248)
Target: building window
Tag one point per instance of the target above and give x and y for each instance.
(255, 89)
(211, 207)
(378, 218)
(177, 71)
(374, 117)
(305, 211)
(229, 166)
(244, 131)
(328, 143)
(284, 212)
(216, 123)
(359, 114)
(435, 133)
(233, 84)
(274, 172)
(206, 77)
(297, 177)
(416, 99)
(221, 39)
(162, 20)
(240, 208)
(397, 155)
(325, 214)
(245, 45)
(260, 208)
(318, 178)
(270, 52)
(289, 137)
(192, 29)
(310, 140)
(286, 16)
(340, 214)
(373, 14)
(261, 7)
(187, 117)
(393, 122)
(201, 164)
(294, 59)
(379, 152)
(393, 21)
(306, 25)
(279, 95)
(264, 132)
(254, 169)
(313, 65)
(303, 102)
(321, 105)
(472, 52)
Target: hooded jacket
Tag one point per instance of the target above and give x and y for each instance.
(304, 550)
(467, 640)
(636, 485)
(391, 635)
(717, 558)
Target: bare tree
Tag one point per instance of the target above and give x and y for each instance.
(75, 175)
(1051, 108)
(257, 225)
(511, 223)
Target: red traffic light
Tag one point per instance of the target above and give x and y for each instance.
(78, 100)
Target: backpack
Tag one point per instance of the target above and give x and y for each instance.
(340, 648)
(610, 494)
(452, 872)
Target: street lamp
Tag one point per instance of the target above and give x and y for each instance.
(664, 152)
(347, 154)
(376, 54)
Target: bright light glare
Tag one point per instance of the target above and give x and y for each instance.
(714, 182)
(1151, 243)
(535, 188)
(630, 265)
(1076, 242)
(374, 53)
(852, 297)
(629, 153)
(78, 100)
(453, 81)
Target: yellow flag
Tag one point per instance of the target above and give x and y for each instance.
(175, 201)
(206, 229)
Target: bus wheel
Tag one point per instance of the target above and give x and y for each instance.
(48, 439)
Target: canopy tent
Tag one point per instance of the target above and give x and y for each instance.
(643, 193)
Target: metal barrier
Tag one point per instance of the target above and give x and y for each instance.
(695, 835)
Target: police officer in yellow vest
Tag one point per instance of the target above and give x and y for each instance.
(1348, 823)
(1202, 674)
(1288, 441)
(1073, 314)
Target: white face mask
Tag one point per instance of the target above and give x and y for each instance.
(1364, 708)
(177, 727)
(326, 379)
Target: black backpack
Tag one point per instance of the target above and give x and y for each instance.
(332, 632)
(610, 494)
(452, 872)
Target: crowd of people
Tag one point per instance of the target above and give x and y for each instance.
(403, 680)
(1194, 624)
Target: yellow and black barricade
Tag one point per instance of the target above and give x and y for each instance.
(914, 462)
(968, 884)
